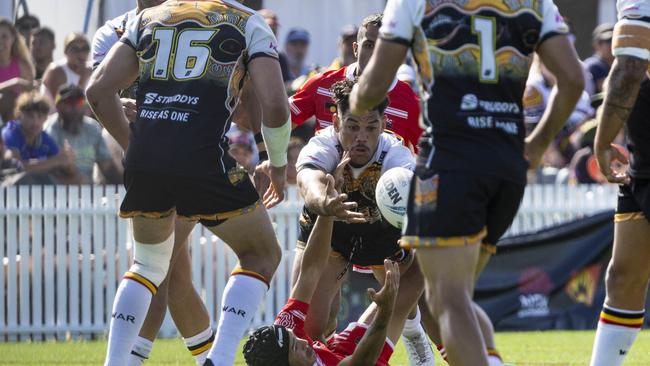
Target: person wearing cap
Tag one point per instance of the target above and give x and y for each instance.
(71, 127)
(345, 47)
(72, 69)
(296, 47)
(600, 62)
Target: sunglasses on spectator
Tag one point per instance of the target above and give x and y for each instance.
(75, 102)
(79, 49)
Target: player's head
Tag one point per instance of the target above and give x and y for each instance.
(366, 38)
(358, 134)
(274, 345)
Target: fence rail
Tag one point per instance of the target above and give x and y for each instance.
(65, 249)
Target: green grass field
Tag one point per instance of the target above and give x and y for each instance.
(531, 348)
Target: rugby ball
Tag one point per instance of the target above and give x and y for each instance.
(392, 193)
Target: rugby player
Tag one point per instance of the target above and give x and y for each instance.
(629, 269)
(314, 98)
(402, 117)
(192, 58)
(367, 342)
(372, 152)
(185, 305)
(471, 168)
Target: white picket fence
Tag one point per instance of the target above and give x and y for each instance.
(64, 251)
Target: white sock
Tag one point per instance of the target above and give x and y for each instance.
(200, 344)
(130, 307)
(140, 352)
(412, 327)
(241, 298)
(494, 361)
(617, 330)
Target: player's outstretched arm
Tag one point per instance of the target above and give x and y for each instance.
(372, 342)
(622, 88)
(276, 127)
(118, 71)
(559, 56)
(377, 76)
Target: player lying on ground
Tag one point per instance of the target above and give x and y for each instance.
(176, 160)
(629, 269)
(371, 152)
(367, 342)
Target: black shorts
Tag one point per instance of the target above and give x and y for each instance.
(210, 200)
(633, 201)
(453, 208)
(363, 249)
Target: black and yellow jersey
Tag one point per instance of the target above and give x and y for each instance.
(479, 55)
(192, 58)
(638, 133)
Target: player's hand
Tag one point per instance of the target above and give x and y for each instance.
(334, 201)
(533, 153)
(261, 176)
(275, 193)
(608, 158)
(130, 109)
(385, 298)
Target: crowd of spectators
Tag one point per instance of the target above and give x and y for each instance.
(49, 135)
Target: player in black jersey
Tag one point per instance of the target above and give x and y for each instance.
(192, 59)
(471, 169)
(629, 269)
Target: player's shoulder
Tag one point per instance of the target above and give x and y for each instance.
(325, 138)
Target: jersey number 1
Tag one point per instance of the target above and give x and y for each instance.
(485, 29)
(186, 51)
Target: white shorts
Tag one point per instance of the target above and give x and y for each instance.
(632, 31)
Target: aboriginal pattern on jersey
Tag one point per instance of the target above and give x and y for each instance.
(455, 43)
(225, 67)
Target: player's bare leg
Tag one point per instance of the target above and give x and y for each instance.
(627, 284)
(252, 238)
(154, 241)
(415, 338)
(449, 275)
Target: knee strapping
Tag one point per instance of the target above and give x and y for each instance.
(151, 261)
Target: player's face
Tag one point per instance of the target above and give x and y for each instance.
(364, 48)
(359, 135)
(300, 352)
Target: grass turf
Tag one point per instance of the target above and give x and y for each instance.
(530, 348)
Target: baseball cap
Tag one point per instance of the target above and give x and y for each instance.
(349, 30)
(69, 91)
(603, 32)
(298, 34)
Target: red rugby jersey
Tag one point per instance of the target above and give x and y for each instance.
(314, 98)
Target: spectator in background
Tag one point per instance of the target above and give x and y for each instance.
(43, 44)
(271, 19)
(27, 141)
(26, 25)
(8, 165)
(83, 134)
(73, 69)
(296, 47)
(16, 69)
(345, 47)
(600, 62)
(241, 148)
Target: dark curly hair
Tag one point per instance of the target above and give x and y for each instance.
(268, 346)
(342, 90)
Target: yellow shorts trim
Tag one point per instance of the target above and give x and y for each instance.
(147, 214)
(413, 242)
(142, 280)
(489, 248)
(223, 215)
(629, 216)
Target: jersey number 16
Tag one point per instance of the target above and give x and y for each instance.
(183, 54)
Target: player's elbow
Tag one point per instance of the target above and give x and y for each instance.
(572, 83)
(94, 92)
(276, 114)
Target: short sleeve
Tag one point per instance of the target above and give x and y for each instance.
(320, 152)
(130, 36)
(401, 17)
(302, 103)
(101, 150)
(260, 40)
(552, 23)
(399, 156)
(103, 41)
